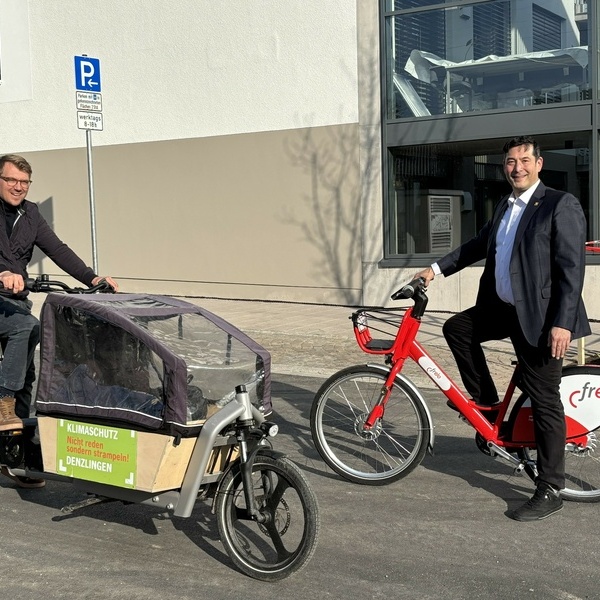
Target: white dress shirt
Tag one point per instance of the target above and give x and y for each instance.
(505, 239)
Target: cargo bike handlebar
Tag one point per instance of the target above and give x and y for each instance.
(46, 285)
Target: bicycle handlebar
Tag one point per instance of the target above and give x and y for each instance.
(409, 290)
(416, 290)
(44, 284)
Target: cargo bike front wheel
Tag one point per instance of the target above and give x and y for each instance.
(286, 538)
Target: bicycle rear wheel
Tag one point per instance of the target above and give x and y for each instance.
(582, 454)
(582, 473)
(283, 544)
(391, 449)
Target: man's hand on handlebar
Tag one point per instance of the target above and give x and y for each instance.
(12, 281)
(419, 280)
(109, 280)
(426, 274)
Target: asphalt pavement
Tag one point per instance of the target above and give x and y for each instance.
(441, 532)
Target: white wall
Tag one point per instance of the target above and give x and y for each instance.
(228, 164)
(185, 69)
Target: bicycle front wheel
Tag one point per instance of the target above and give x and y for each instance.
(285, 541)
(391, 449)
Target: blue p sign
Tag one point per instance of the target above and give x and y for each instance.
(87, 74)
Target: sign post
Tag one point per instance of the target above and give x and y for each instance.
(88, 88)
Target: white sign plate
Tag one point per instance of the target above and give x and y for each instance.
(89, 101)
(90, 120)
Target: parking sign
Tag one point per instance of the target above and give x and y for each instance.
(87, 74)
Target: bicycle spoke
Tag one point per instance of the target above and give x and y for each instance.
(388, 448)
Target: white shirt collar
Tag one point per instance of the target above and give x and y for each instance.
(526, 195)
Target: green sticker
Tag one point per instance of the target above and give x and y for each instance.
(96, 453)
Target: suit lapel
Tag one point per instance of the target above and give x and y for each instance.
(496, 218)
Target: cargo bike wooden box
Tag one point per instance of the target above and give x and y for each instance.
(152, 400)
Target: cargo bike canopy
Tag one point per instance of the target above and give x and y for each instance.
(144, 361)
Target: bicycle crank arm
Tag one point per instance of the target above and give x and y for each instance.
(496, 450)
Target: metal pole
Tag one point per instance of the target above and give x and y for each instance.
(88, 138)
(581, 351)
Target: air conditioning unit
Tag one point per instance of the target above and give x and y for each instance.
(429, 221)
(443, 221)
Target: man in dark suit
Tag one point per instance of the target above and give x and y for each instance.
(530, 291)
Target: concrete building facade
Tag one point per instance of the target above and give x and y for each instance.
(247, 148)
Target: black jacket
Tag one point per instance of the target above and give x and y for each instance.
(29, 230)
(547, 265)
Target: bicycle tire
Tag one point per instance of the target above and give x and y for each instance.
(582, 464)
(284, 544)
(393, 448)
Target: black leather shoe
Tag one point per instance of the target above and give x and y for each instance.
(544, 502)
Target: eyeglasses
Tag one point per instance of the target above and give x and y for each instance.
(11, 181)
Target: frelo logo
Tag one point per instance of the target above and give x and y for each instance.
(434, 371)
(587, 391)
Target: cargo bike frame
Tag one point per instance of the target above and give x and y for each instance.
(135, 403)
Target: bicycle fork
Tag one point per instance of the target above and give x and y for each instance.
(244, 423)
(377, 413)
(378, 409)
(246, 463)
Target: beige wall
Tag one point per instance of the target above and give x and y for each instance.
(269, 215)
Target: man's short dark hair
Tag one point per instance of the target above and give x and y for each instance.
(16, 160)
(522, 140)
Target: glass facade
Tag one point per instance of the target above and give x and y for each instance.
(493, 55)
(461, 77)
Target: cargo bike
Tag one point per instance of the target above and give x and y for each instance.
(152, 400)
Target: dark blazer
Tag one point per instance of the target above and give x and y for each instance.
(547, 264)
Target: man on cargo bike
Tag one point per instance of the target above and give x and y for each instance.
(22, 228)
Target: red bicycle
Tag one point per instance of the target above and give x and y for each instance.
(371, 424)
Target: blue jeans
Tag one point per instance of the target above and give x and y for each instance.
(19, 336)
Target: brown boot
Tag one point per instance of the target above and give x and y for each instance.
(23, 482)
(8, 418)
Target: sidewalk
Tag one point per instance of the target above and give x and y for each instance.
(318, 340)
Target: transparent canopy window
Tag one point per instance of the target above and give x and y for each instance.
(150, 361)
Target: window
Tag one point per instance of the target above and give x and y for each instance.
(546, 28)
(486, 56)
(460, 78)
(441, 194)
(491, 30)
(15, 55)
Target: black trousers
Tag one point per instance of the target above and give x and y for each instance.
(540, 378)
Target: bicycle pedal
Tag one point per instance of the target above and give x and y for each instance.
(519, 469)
